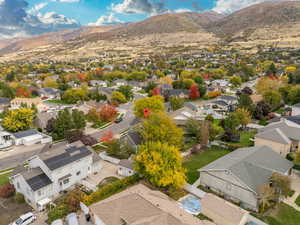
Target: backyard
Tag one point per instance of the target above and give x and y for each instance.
(282, 215)
(245, 139)
(195, 162)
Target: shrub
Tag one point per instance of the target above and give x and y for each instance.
(72, 200)
(7, 190)
(111, 189)
(57, 212)
(19, 198)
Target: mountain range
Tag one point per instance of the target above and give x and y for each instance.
(265, 23)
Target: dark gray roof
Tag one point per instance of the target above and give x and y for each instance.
(219, 102)
(39, 181)
(51, 91)
(4, 101)
(64, 156)
(25, 133)
(133, 138)
(253, 166)
(275, 135)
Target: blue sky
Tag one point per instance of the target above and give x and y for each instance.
(89, 11)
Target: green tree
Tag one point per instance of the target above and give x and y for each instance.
(18, 119)
(294, 95)
(62, 124)
(297, 157)
(281, 185)
(73, 96)
(79, 119)
(243, 116)
(272, 98)
(246, 102)
(161, 164)
(160, 127)
(118, 97)
(126, 90)
(176, 103)
(236, 81)
(153, 104)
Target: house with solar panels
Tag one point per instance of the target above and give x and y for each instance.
(56, 168)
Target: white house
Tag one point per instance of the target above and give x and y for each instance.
(30, 137)
(55, 169)
(125, 168)
(296, 109)
(96, 83)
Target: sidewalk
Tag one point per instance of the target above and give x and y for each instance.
(291, 201)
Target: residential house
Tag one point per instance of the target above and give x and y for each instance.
(98, 83)
(125, 168)
(296, 110)
(42, 118)
(49, 93)
(239, 175)
(230, 100)
(141, 205)
(108, 68)
(181, 116)
(132, 138)
(180, 93)
(6, 140)
(119, 82)
(30, 137)
(4, 104)
(29, 102)
(55, 169)
(282, 136)
(221, 85)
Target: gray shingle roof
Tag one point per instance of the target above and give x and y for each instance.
(275, 135)
(253, 166)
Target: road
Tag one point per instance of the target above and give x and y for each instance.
(19, 154)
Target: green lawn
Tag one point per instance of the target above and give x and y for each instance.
(298, 201)
(195, 162)
(245, 137)
(4, 179)
(284, 215)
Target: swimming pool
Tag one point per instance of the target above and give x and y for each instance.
(191, 204)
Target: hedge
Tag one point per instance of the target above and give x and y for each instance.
(111, 189)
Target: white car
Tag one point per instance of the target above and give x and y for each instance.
(25, 219)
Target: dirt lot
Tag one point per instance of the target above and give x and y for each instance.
(9, 210)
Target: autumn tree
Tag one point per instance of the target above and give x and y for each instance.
(160, 127)
(107, 113)
(73, 96)
(126, 90)
(118, 97)
(272, 98)
(243, 115)
(236, 81)
(161, 164)
(281, 185)
(153, 104)
(155, 91)
(18, 119)
(266, 195)
(50, 83)
(107, 137)
(194, 92)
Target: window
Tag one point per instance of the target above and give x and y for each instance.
(66, 181)
(39, 193)
(78, 173)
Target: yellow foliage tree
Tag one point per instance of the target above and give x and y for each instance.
(160, 164)
(153, 104)
(18, 120)
(166, 80)
(50, 83)
(266, 84)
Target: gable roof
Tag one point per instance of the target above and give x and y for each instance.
(275, 135)
(253, 166)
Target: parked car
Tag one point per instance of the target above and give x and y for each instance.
(57, 222)
(119, 119)
(72, 219)
(25, 219)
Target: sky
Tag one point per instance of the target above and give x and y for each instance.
(21, 18)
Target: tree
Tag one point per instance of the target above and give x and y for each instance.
(160, 127)
(126, 90)
(153, 104)
(119, 149)
(272, 98)
(18, 119)
(194, 92)
(245, 102)
(7, 191)
(243, 116)
(202, 89)
(176, 103)
(155, 91)
(262, 109)
(236, 81)
(79, 120)
(247, 91)
(73, 199)
(266, 195)
(281, 185)
(231, 122)
(118, 97)
(108, 113)
(63, 123)
(161, 164)
(73, 96)
(272, 69)
(50, 83)
(107, 137)
(23, 92)
(199, 80)
(294, 95)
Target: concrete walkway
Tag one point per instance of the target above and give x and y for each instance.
(291, 201)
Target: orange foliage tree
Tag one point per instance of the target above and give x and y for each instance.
(194, 91)
(107, 113)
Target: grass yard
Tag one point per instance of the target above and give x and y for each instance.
(298, 201)
(245, 137)
(4, 179)
(283, 215)
(195, 162)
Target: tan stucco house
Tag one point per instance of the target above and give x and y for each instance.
(238, 175)
(282, 136)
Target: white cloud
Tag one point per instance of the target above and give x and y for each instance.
(37, 7)
(229, 6)
(110, 19)
(139, 7)
(54, 18)
(182, 10)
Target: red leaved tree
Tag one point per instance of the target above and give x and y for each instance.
(156, 91)
(7, 190)
(22, 92)
(107, 137)
(194, 92)
(81, 77)
(147, 113)
(107, 113)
